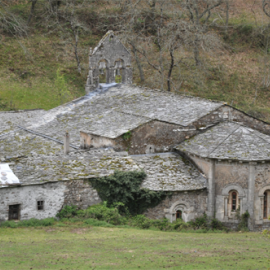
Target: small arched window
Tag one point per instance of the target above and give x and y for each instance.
(234, 201)
(265, 205)
(178, 214)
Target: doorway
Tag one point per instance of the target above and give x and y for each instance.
(178, 214)
(14, 212)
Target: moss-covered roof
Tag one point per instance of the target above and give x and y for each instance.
(169, 172)
(164, 171)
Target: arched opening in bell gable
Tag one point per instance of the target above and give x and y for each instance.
(103, 71)
(119, 69)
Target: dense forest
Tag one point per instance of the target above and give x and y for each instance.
(216, 49)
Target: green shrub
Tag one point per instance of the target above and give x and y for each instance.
(68, 211)
(215, 224)
(9, 224)
(141, 221)
(104, 213)
(200, 222)
(180, 225)
(33, 222)
(243, 220)
(162, 224)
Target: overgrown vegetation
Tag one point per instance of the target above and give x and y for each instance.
(243, 220)
(125, 187)
(33, 222)
(102, 215)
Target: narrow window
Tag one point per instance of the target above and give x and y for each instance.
(14, 212)
(178, 214)
(265, 204)
(40, 205)
(234, 200)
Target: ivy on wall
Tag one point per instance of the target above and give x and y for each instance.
(124, 187)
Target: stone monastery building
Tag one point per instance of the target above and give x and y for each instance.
(213, 158)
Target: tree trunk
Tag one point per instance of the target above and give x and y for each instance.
(137, 61)
(170, 70)
(196, 50)
(32, 10)
(227, 15)
(76, 36)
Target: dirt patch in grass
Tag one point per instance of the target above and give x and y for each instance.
(79, 230)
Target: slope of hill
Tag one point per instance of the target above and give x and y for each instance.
(39, 70)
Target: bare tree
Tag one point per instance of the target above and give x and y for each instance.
(11, 23)
(164, 28)
(199, 13)
(227, 12)
(266, 7)
(150, 25)
(67, 23)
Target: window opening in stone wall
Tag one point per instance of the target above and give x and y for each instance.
(14, 212)
(102, 71)
(234, 201)
(40, 205)
(265, 204)
(178, 214)
(118, 67)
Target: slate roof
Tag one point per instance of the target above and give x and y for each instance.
(231, 141)
(106, 113)
(164, 171)
(113, 124)
(42, 169)
(9, 120)
(121, 108)
(21, 143)
(169, 172)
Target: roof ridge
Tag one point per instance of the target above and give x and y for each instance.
(224, 139)
(259, 136)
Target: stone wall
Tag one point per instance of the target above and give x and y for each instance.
(81, 194)
(262, 184)
(55, 196)
(250, 180)
(192, 204)
(231, 173)
(152, 137)
(202, 164)
(158, 137)
(27, 196)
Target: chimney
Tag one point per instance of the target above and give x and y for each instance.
(66, 143)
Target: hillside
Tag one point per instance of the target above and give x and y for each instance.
(39, 70)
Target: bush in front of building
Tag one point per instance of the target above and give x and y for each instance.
(68, 211)
(33, 222)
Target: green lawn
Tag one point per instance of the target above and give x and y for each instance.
(122, 248)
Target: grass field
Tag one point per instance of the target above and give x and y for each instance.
(124, 248)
